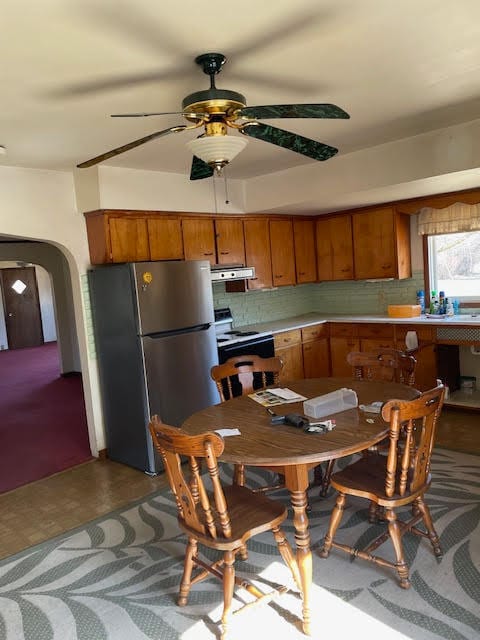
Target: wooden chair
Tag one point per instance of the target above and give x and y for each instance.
(223, 518)
(398, 479)
(389, 365)
(242, 375)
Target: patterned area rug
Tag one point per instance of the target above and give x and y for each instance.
(117, 578)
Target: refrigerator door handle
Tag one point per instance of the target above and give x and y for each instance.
(176, 332)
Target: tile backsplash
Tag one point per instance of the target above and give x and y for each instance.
(357, 297)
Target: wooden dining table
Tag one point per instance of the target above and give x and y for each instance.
(292, 451)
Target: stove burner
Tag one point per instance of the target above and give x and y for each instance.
(222, 339)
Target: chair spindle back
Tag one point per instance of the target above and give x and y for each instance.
(412, 425)
(237, 376)
(203, 512)
(389, 365)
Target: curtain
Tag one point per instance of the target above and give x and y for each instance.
(453, 219)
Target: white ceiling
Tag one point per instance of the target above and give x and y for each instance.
(398, 68)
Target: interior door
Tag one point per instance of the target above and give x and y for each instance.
(22, 307)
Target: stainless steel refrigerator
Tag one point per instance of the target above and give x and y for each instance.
(155, 343)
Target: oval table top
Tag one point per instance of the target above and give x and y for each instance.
(262, 444)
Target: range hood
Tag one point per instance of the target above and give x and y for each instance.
(230, 272)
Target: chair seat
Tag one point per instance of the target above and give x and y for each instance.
(250, 514)
(366, 479)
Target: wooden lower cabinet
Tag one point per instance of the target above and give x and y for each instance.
(288, 347)
(343, 339)
(376, 336)
(316, 351)
(426, 369)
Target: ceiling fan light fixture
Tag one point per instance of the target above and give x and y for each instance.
(217, 151)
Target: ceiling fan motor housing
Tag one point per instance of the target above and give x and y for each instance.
(212, 101)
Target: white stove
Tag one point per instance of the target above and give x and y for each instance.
(224, 330)
(232, 342)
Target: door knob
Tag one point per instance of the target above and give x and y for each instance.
(10, 315)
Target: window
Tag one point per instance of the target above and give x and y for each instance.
(454, 265)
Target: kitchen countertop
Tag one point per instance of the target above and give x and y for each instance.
(308, 319)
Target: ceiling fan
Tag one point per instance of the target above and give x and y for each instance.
(217, 110)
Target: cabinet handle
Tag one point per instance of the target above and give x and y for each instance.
(208, 254)
(346, 270)
(386, 266)
(278, 276)
(224, 253)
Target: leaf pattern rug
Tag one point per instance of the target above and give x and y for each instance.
(117, 577)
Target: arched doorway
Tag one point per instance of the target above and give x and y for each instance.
(44, 422)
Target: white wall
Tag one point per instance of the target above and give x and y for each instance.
(151, 190)
(40, 205)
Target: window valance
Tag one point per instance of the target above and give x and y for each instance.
(453, 219)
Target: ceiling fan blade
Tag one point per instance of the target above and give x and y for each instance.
(130, 145)
(200, 169)
(289, 140)
(294, 111)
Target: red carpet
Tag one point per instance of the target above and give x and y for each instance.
(43, 427)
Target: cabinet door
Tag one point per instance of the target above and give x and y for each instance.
(316, 359)
(426, 370)
(165, 238)
(230, 241)
(305, 258)
(198, 239)
(334, 248)
(283, 253)
(339, 348)
(292, 358)
(257, 252)
(374, 244)
(129, 239)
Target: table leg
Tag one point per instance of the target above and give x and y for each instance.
(296, 481)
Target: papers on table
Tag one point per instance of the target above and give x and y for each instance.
(228, 432)
(271, 397)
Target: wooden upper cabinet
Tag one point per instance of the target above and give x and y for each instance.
(165, 238)
(334, 248)
(230, 241)
(117, 236)
(257, 252)
(199, 239)
(305, 258)
(381, 244)
(129, 239)
(283, 252)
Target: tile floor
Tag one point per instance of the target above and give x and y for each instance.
(46, 508)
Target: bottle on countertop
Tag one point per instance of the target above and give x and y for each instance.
(441, 303)
(433, 302)
(421, 300)
(450, 311)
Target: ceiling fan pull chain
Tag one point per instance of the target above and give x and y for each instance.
(227, 201)
(215, 194)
